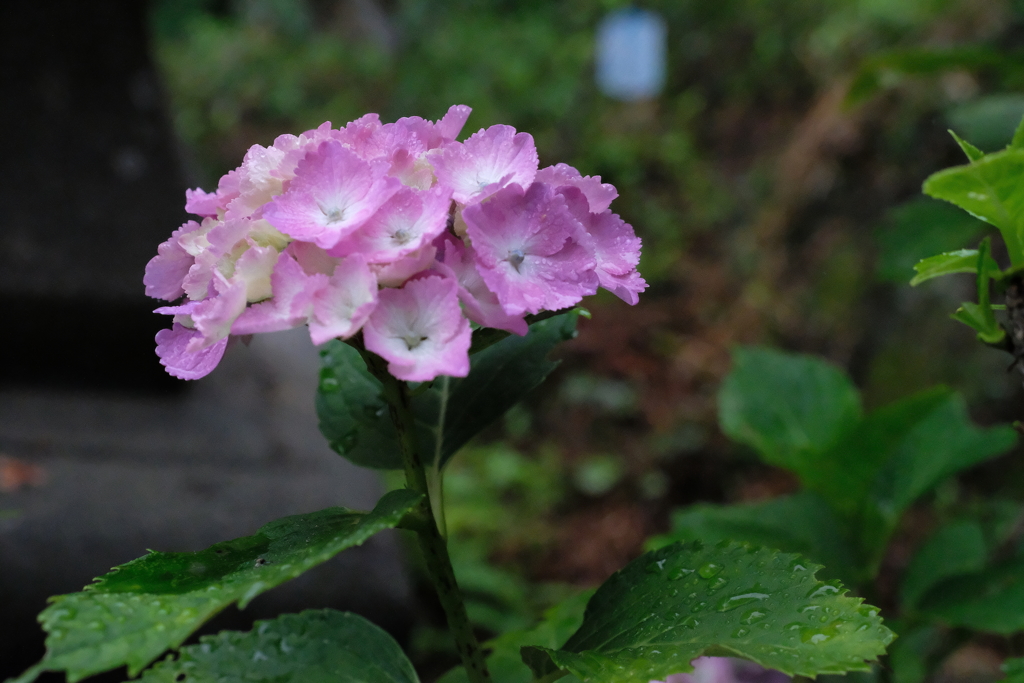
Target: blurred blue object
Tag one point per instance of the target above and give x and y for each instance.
(631, 47)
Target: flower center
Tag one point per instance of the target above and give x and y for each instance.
(401, 236)
(333, 214)
(516, 257)
(413, 340)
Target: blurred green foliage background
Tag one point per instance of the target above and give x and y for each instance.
(775, 183)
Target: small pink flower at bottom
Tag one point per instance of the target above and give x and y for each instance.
(172, 349)
(419, 329)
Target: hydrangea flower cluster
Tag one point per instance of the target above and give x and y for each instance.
(397, 230)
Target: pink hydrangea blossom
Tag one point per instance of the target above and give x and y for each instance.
(395, 230)
(404, 224)
(528, 250)
(420, 330)
(333, 193)
(488, 161)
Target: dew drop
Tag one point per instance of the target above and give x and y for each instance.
(709, 570)
(689, 622)
(655, 567)
(718, 583)
(753, 616)
(698, 607)
(809, 635)
(808, 608)
(678, 573)
(740, 599)
(822, 590)
(740, 632)
(793, 626)
(867, 611)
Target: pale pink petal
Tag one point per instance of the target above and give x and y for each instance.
(215, 249)
(489, 160)
(394, 274)
(291, 304)
(420, 330)
(599, 195)
(166, 271)
(214, 316)
(259, 180)
(342, 307)
(253, 269)
(480, 304)
(201, 203)
(333, 193)
(312, 258)
(405, 223)
(172, 349)
(527, 250)
(450, 125)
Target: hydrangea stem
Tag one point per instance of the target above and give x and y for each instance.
(432, 544)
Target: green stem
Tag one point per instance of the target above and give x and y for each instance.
(432, 544)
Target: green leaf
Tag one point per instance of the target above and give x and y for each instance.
(989, 120)
(992, 189)
(979, 320)
(1014, 670)
(991, 600)
(788, 407)
(355, 419)
(1018, 136)
(131, 615)
(959, 261)
(316, 646)
(845, 475)
(504, 661)
(957, 548)
(939, 445)
(803, 523)
(972, 152)
(918, 229)
(353, 415)
(653, 617)
(909, 655)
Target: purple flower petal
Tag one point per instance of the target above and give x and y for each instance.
(480, 304)
(172, 349)
(599, 195)
(166, 271)
(615, 245)
(528, 251)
